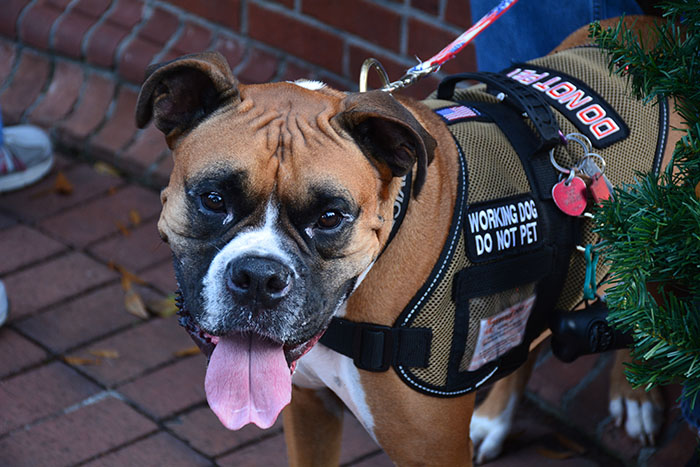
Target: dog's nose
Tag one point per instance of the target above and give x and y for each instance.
(264, 281)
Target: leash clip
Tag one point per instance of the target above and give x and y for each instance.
(410, 77)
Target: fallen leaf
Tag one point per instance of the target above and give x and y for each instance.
(164, 307)
(62, 185)
(552, 454)
(134, 217)
(194, 350)
(112, 191)
(570, 444)
(128, 277)
(81, 361)
(122, 228)
(105, 353)
(134, 304)
(104, 168)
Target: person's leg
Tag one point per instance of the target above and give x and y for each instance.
(533, 29)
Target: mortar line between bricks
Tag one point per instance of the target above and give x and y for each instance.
(20, 18)
(37, 262)
(567, 422)
(163, 422)
(264, 436)
(55, 62)
(87, 141)
(158, 57)
(87, 37)
(410, 12)
(185, 411)
(153, 369)
(149, 175)
(58, 413)
(281, 69)
(243, 12)
(243, 62)
(57, 22)
(442, 10)
(146, 13)
(42, 93)
(599, 366)
(117, 448)
(19, 54)
(362, 458)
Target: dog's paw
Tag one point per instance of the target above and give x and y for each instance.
(489, 433)
(641, 413)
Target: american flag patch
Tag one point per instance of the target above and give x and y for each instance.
(457, 112)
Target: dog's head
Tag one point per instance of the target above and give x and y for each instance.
(279, 199)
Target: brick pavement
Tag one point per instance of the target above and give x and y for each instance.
(82, 381)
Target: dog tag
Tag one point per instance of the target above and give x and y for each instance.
(598, 189)
(599, 186)
(570, 196)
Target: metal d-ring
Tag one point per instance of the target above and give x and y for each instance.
(556, 165)
(580, 139)
(593, 154)
(367, 65)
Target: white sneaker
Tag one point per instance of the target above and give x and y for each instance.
(3, 304)
(25, 156)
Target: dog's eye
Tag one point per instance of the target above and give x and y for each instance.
(329, 220)
(213, 201)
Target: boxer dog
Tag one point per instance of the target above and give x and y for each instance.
(277, 209)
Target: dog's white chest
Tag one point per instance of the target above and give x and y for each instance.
(324, 368)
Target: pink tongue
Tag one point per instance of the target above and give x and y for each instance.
(248, 381)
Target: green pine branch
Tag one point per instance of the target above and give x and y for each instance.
(651, 232)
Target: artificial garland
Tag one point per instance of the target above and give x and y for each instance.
(651, 232)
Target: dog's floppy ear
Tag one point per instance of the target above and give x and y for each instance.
(180, 93)
(386, 131)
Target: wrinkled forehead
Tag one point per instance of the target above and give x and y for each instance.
(282, 140)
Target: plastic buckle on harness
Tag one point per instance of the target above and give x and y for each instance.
(372, 347)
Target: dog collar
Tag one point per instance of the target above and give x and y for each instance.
(400, 207)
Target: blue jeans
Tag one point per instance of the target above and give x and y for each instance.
(532, 28)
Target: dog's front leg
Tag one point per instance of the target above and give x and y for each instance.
(493, 419)
(313, 424)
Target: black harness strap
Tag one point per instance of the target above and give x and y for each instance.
(376, 348)
(523, 99)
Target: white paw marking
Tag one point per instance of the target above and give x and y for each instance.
(642, 420)
(488, 434)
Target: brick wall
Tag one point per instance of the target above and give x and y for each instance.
(74, 66)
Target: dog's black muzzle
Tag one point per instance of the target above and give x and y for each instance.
(258, 282)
